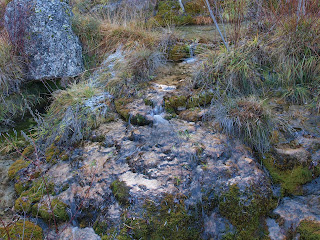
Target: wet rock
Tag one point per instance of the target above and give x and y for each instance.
(42, 29)
(275, 232)
(134, 111)
(216, 225)
(72, 233)
(293, 210)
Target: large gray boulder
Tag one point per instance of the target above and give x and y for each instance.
(41, 30)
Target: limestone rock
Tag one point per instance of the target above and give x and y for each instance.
(72, 233)
(42, 31)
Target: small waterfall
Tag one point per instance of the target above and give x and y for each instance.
(192, 50)
(158, 111)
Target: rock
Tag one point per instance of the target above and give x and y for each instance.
(42, 30)
(292, 157)
(275, 232)
(192, 115)
(75, 233)
(293, 210)
(134, 111)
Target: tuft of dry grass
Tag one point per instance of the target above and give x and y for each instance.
(11, 67)
(115, 36)
(247, 118)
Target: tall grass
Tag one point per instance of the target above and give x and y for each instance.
(237, 72)
(11, 67)
(296, 47)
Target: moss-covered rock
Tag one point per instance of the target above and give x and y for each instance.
(17, 166)
(309, 230)
(21, 186)
(200, 99)
(28, 151)
(128, 110)
(32, 196)
(191, 115)
(176, 103)
(179, 52)
(170, 13)
(121, 109)
(44, 211)
(22, 230)
(170, 220)
(121, 191)
(291, 179)
(245, 210)
(52, 153)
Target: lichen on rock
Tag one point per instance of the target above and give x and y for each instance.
(42, 30)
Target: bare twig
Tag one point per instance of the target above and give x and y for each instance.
(216, 23)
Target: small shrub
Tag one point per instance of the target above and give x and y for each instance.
(246, 118)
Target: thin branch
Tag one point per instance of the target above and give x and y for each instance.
(216, 23)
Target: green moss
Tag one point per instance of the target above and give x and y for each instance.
(291, 180)
(245, 211)
(170, 220)
(64, 156)
(195, 7)
(101, 228)
(309, 230)
(21, 187)
(148, 102)
(173, 103)
(197, 99)
(28, 151)
(52, 153)
(200, 99)
(121, 109)
(45, 211)
(179, 52)
(17, 166)
(32, 196)
(121, 191)
(22, 230)
(169, 13)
